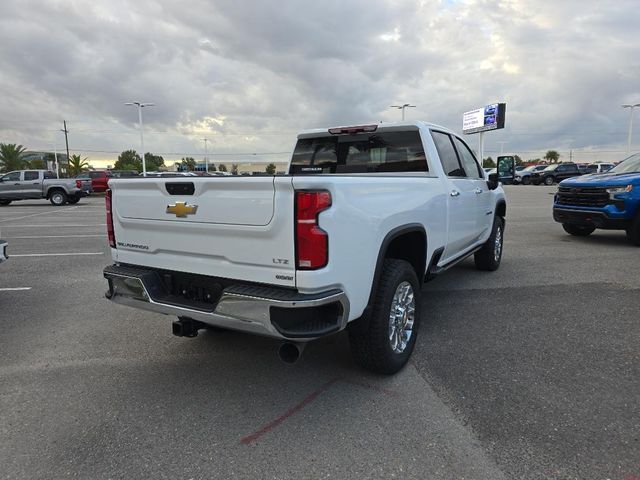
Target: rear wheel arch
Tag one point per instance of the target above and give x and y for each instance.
(409, 243)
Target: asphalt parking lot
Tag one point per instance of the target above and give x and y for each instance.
(530, 372)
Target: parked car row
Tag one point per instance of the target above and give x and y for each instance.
(555, 173)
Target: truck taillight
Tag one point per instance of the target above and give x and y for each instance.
(110, 232)
(78, 183)
(312, 243)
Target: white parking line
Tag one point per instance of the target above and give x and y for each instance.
(36, 214)
(55, 254)
(58, 236)
(14, 289)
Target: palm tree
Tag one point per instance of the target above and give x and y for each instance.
(77, 165)
(189, 163)
(11, 156)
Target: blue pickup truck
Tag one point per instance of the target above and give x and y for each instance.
(608, 200)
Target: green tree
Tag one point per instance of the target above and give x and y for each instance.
(552, 156)
(188, 164)
(128, 160)
(488, 163)
(234, 169)
(11, 156)
(77, 165)
(153, 162)
(222, 167)
(37, 164)
(270, 169)
(212, 167)
(518, 160)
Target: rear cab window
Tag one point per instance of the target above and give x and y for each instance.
(31, 175)
(366, 152)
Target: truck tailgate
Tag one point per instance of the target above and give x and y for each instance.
(231, 227)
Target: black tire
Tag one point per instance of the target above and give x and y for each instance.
(73, 200)
(370, 337)
(58, 198)
(549, 180)
(488, 258)
(4, 203)
(633, 232)
(526, 180)
(578, 230)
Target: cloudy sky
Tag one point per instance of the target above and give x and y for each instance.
(248, 74)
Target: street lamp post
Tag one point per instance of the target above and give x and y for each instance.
(402, 107)
(630, 107)
(140, 106)
(206, 158)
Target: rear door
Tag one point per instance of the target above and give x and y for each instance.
(231, 227)
(31, 184)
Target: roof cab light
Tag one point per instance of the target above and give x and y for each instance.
(353, 129)
(110, 231)
(312, 243)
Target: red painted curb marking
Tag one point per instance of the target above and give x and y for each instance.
(310, 398)
(270, 426)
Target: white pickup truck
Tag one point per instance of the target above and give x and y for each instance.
(346, 240)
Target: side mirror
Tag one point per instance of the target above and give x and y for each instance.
(506, 169)
(493, 181)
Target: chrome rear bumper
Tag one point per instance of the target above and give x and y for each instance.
(274, 312)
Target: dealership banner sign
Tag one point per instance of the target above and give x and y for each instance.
(489, 117)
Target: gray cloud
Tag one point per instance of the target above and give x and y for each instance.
(249, 74)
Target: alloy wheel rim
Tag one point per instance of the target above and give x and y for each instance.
(402, 317)
(497, 245)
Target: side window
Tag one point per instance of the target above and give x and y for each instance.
(30, 176)
(468, 160)
(563, 168)
(11, 177)
(447, 154)
(48, 175)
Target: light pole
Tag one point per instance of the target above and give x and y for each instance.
(630, 107)
(140, 106)
(206, 159)
(402, 107)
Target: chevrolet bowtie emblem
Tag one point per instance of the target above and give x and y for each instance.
(182, 209)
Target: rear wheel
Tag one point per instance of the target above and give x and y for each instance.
(58, 198)
(578, 230)
(383, 342)
(548, 180)
(488, 258)
(633, 232)
(4, 203)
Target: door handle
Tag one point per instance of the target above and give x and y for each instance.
(478, 191)
(16, 184)
(454, 193)
(35, 183)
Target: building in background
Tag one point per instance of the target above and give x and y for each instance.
(46, 160)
